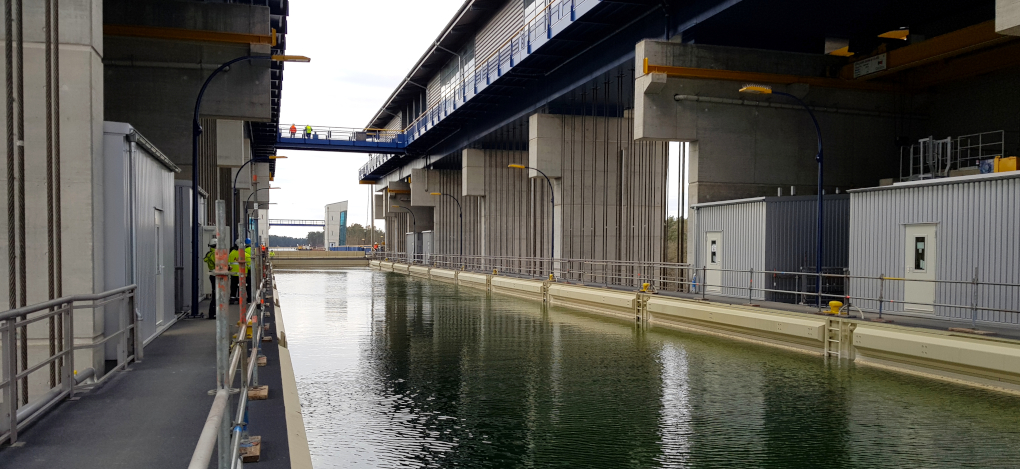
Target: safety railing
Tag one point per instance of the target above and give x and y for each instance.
(538, 28)
(351, 134)
(24, 354)
(957, 300)
(225, 432)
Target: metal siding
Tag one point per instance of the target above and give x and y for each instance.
(498, 31)
(432, 91)
(396, 123)
(791, 238)
(976, 222)
(743, 244)
(154, 186)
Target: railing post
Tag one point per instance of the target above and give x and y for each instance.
(881, 293)
(125, 319)
(222, 334)
(704, 281)
(137, 326)
(69, 348)
(973, 300)
(10, 413)
(750, 286)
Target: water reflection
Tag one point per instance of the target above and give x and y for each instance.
(401, 372)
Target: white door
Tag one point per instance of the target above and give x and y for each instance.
(921, 249)
(713, 258)
(159, 268)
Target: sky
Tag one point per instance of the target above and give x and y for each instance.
(360, 51)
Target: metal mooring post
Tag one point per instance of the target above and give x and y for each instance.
(973, 300)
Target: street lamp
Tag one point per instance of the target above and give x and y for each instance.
(764, 89)
(196, 132)
(233, 193)
(461, 209)
(552, 213)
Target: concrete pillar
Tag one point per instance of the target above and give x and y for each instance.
(81, 150)
(420, 188)
(473, 172)
(230, 143)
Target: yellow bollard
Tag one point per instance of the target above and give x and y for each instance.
(834, 307)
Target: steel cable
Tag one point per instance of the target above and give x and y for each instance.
(59, 275)
(51, 322)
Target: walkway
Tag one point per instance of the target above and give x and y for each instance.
(151, 415)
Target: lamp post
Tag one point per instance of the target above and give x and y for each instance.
(552, 213)
(461, 215)
(763, 89)
(413, 230)
(233, 193)
(196, 132)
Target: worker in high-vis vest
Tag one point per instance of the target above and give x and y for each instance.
(247, 273)
(210, 262)
(293, 130)
(235, 272)
(308, 131)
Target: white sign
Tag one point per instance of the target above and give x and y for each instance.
(869, 65)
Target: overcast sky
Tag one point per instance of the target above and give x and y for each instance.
(360, 51)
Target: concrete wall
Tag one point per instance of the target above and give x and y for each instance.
(333, 225)
(81, 132)
(745, 149)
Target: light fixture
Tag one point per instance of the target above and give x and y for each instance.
(752, 88)
(290, 58)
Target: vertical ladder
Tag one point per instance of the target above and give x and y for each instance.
(833, 338)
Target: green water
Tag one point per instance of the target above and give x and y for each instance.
(395, 371)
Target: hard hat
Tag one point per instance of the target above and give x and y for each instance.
(247, 240)
(212, 243)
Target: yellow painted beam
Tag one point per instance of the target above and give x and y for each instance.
(771, 78)
(180, 34)
(948, 45)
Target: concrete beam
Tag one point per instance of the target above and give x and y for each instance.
(230, 148)
(473, 172)
(420, 190)
(545, 145)
(1007, 17)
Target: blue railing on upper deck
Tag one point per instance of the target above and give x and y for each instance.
(309, 137)
(543, 26)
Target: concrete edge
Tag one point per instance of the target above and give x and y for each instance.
(300, 455)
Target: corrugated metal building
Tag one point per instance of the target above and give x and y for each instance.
(939, 230)
(768, 234)
(138, 228)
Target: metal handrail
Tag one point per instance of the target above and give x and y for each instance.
(13, 418)
(690, 279)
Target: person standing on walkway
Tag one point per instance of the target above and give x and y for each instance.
(308, 131)
(235, 272)
(247, 271)
(293, 130)
(210, 262)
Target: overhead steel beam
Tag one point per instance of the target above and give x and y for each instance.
(179, 34)
(734, 75)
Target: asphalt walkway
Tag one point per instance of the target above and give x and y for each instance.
(151, 415)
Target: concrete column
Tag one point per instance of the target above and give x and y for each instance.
(473, 172)
(1007, 17)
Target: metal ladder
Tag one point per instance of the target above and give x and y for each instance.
(834, 338)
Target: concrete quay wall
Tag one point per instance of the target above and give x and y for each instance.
(986, 362)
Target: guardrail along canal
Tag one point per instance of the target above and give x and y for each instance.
(395, 371)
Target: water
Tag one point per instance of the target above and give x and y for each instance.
(395, 371)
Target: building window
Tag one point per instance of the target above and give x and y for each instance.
(919, 245)
(715, 253)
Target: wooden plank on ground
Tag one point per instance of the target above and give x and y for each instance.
(251, 449)
(258, 393)
(970, 331)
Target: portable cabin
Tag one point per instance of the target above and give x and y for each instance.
(939, 243)
(138, 228)
(774, 236)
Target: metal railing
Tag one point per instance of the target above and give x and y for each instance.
(955, 300)
(64, 377)
(350, 134)
(224, 432)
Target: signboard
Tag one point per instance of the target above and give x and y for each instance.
(870, 65)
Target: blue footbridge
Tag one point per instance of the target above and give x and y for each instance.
(343, 139)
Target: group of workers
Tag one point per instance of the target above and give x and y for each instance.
(234, 261)
(293, 131)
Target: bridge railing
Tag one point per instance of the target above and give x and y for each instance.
(951, 300)
(350, 134)
(27, 394)
(285, 222)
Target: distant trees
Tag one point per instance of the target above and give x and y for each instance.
(672, 228)
(316, 239)
(286, 241)
(360, 235)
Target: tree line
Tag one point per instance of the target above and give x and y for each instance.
(356, 235)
